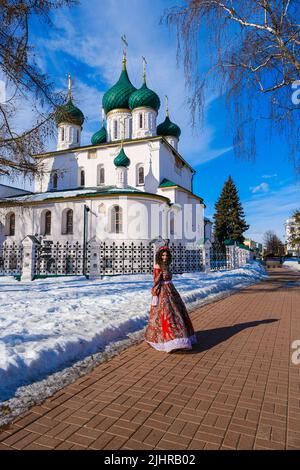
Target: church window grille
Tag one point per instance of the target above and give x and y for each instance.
(82, 178)
(101, 174)
(69, 221)
(11, 224)
(117, 219)
(115, 129)
(48, 223)
(54, 180)
(140, 175)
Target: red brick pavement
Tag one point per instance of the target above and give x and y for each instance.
(237, 390)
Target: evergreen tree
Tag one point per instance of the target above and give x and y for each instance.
(229, 218)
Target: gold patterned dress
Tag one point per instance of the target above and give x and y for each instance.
(169, 325)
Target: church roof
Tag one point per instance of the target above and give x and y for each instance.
(100, 137)
(118, 96)
(69, 113)
(144, 97)
(121, 159)
(76, 192)
(166, 183)
(168, 128)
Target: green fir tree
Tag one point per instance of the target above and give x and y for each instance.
(229, 218)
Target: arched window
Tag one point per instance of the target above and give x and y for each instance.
(47, 223)
(62, 133)
(116, 219)
(69, 221)
(82, 178)
(130, 128)
(172, 224)
(140, 174)
(77, 134)
(54, 180)
(141, 120)
(115, 129)
(11, 224)
(100, 174)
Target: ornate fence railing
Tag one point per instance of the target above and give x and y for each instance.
(219, 258)
(50, 258)
(56, 258)
(11, 257)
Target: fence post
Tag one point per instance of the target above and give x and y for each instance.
(95, 268)
(28, 262)
(206, 256)
(230, 254)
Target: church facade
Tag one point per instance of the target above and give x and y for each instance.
(130, 183)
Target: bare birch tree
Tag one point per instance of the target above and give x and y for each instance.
(252, 48)
(23, 80)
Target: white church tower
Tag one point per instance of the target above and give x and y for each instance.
(144, 104)
(69, 120)
(115, 103)
(169, 130)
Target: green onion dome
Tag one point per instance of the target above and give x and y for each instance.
(121, 159)
(100, 137)
(168, 128)
(69, 113)
(118, 96)
(144, 97)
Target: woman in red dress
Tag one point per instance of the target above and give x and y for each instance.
(169, 327)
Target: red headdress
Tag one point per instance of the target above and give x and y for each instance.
(165, 247)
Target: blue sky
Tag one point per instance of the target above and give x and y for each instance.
(85, 41)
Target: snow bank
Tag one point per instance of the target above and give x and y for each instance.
(49, 324)
(292, 263)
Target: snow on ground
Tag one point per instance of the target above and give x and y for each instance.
(48, 325)
(292, 263)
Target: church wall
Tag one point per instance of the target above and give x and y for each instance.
(158, 161)
(138, 211)
(169, 170)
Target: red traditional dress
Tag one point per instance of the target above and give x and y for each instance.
(169, 325)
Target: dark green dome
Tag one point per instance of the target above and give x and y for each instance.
(122, 159)
(69, 113)
(144, 97)
(168, 128)
(100, 137)
(118, 96)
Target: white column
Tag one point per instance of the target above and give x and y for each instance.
(28, 263)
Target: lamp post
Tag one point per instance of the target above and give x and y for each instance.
(86, 210)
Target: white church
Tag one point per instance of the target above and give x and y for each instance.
(130, 183)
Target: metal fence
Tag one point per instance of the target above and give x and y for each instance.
(53, 258)
(11, 257)
(219, 257)
(111, 257)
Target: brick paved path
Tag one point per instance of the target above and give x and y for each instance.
(237, 390)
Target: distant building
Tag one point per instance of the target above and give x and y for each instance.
(255, 246)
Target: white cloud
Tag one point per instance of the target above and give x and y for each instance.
(269, 211)
(269, 176)
(263, 187)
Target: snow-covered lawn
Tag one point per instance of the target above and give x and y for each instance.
(293, 264)
(49, 324)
